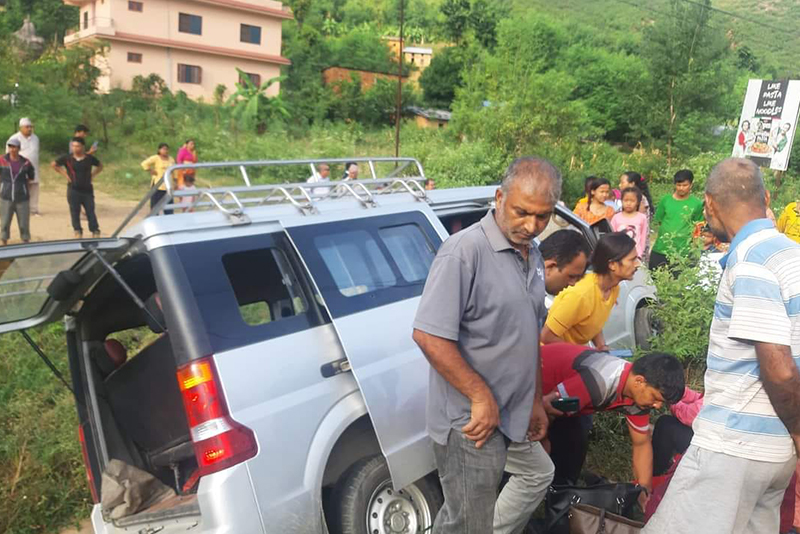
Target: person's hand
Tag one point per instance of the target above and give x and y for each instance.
(484, 420)
(547, 402)
(603, 348)
(537, 428)
(644, 498)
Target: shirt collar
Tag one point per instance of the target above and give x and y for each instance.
(497, 240)
(756, 225)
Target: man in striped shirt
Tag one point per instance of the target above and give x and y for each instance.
(733, 476)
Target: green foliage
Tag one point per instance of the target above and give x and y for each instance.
(686, 294)
(42, 479)
(149, 86)
(52, 18)
(252, 107)
(440, 80)
(361, 48)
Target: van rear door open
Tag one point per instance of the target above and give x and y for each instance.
(41, 282)
(370, 273)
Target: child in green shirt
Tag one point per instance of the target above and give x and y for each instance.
(675, 217)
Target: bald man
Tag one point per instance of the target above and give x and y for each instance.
(744, 450)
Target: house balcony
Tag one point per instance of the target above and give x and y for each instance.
(96, 27)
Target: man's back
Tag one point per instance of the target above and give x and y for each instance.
(758, 301)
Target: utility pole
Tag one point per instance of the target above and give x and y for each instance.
(398, 109)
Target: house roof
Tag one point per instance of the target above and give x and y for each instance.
(417, 50)
(434, 114)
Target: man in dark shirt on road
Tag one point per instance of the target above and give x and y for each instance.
(79, 168)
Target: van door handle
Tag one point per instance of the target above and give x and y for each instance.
(336, 367)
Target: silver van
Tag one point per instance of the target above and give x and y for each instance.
(252, 351)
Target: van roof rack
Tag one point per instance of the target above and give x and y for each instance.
(404, 176)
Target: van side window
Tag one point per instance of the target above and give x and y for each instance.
(409, 249)
(355, 262)
(264, 285)
(361, 264)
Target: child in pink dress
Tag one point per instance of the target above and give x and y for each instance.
(631, 221)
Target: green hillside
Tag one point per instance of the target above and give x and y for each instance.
(770, 29)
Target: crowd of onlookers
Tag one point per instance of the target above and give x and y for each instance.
(20, 179)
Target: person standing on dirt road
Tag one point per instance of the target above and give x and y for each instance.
(477, 325)
(16, 175)
(29, 149)
(157, 167)
(746, 439)
(80, 168)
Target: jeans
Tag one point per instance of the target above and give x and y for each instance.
(715, 492)
(569, 442)
(531, 473)
(156, 198)
(670, 437)
(7, 210)
(85, 199)
(470, 478)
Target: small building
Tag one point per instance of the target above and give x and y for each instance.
(333, 75)
(415, 56)
(430, 118)
(194, 45)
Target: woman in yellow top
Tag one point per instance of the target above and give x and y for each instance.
(595, 208)
(789, 222)
(580, 312)
(158, 165)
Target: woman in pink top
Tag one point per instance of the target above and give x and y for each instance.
(673, 433)
(631, 221)
(186, 154)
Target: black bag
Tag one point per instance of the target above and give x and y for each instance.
(620, 499)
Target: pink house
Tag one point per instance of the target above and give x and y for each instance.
(194, 45)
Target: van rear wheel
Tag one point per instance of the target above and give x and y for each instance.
(366, 503)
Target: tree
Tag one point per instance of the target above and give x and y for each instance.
(440, 80)
(252, 106)
(456, 13)
(690, 71)
(52, 18)
(300, 9)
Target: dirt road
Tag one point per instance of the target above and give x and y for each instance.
(54, 221)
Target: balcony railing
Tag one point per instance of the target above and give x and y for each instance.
(90, 27)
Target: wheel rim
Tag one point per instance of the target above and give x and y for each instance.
(398, 512)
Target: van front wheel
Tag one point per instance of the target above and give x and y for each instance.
(366, 503)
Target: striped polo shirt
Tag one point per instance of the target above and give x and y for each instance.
(758, 301)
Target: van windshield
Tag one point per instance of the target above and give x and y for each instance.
(24, 282)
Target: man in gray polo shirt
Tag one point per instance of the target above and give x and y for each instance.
(478, 325)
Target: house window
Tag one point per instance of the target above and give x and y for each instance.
(133, 57)
(250, 34)
(255, 78)
(85, 20)
(135, 6)
(190, 24)
(190, 74)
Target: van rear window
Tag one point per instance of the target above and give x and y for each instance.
(264, 285)
(355, 262)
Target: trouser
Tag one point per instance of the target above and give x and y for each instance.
(157, 196)
(531, 473)
(657, 259)
(7, 210)
(82, 199)
(569, 442)
(670, 437)
(715, 492)
(33, 193)
(470, 478)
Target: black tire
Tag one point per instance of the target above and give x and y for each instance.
(643, 328)
(366, 483)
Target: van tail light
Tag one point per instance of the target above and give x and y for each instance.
(87, 465)
(219, 441)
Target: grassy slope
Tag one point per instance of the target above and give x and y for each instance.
(618, 17)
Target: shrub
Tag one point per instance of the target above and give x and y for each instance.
(686, 293)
